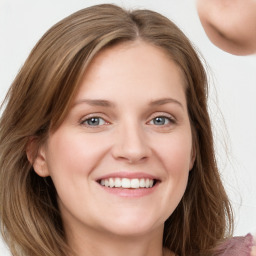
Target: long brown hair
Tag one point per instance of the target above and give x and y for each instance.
(39, 100)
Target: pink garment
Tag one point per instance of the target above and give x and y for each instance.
(237, 246)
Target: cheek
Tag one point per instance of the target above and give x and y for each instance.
(72, 153)
(71, 157)
(176, 154)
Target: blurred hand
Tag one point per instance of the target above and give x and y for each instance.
(230, 24)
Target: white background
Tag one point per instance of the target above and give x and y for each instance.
(232, 85)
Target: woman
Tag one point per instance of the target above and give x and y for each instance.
(106, 144)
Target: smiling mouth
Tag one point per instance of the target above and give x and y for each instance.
(128, 183)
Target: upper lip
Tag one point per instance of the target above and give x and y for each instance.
(128, 175)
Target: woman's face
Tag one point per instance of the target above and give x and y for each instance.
(121, 158)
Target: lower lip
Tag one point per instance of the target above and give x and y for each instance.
(130, 192)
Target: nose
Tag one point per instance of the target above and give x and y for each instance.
(131, 144)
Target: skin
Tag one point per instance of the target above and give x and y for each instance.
(126, 140)
(253, 252)
(230, 24)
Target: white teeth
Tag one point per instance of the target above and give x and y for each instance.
(127, 183)
(142, 183)
(135, 183)
(111, 183)
(118, 183)
(147, 183)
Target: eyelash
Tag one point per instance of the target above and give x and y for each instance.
(171, 120)
(101, 121)
(85, 121)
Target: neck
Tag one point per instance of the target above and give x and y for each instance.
(99, 243)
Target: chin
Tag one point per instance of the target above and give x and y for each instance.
(129, 230)
(134, 224)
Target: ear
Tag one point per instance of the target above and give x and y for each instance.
(36, 156)
(193, 157)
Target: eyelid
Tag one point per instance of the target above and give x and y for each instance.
(102, 116)
(169, 124)
(162, 114)
(93, 115)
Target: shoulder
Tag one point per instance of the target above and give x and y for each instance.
(238, 246)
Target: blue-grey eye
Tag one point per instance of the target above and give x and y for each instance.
(94, 121)
(160, 120)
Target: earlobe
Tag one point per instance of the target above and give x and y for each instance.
(36, 157)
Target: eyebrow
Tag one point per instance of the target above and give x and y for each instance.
(165, 101)
(96, 102)
(106, 103)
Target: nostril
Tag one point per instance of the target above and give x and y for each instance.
(131, 147)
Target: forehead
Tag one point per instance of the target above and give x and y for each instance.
(136, 65)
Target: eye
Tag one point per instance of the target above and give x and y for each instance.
(161, 120)
(94, 121)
